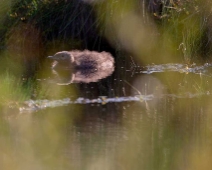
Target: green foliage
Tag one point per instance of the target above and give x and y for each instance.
(182, 23)
(184, 26)
(12, 89)
(68, 22)
(27, 9)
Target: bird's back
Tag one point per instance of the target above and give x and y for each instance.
(91, 59)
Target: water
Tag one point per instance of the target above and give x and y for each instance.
(139, 83)
(143, 117)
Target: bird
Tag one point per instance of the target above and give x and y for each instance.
(82, 60)
(82, 66)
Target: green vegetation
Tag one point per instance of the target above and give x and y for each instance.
(182, 25)
(170, 130)
(11, 89)
(185, 25)
(54, 20)
(32, 29)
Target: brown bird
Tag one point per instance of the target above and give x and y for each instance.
(87, 66)
(82, 60)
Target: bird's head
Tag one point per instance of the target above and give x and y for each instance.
(63, 56)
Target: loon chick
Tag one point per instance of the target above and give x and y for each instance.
(82, 60)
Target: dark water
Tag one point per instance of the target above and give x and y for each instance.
(140, 117)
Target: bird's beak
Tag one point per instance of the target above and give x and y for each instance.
(51, 57)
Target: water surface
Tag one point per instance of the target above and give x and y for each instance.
(140, 117)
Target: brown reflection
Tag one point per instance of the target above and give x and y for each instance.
(81, 66)
(96, 132)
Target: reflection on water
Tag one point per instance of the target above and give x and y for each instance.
(65, 77)
(146, 84)
(182, 68)
(150, 117)
(115, 135)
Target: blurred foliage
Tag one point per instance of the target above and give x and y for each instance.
(177, 31)
(8, 95)
(70, 22)
(184, 24)
(164, 133)
(172, 31)
(184, 32)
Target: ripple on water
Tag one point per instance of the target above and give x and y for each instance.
(182, 68)
(34, 105)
